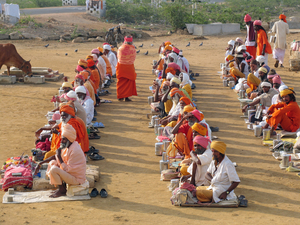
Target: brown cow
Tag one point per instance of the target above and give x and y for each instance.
(10, 57)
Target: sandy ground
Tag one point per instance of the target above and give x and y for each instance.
(130, 171)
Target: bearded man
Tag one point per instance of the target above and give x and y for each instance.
(86, 102)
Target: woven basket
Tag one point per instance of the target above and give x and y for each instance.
(294, 64)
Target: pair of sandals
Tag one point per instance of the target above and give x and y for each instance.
(94, 193)
(243, 202)
(94, 136)
(98, 125)
(93, 154)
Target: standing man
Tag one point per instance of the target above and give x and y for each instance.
(250, 38)
(125, 70)
(281, 29)
(263, 46)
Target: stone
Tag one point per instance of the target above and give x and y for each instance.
(92, 167)
(81, 33)
(28, 36)
(100, 38)
(62, 40)
(34, 80)
(5, 79)
(94, 34)
(41, 184)
(90, 179)
(92, 40)
(4, 36)
(54, 37)
(66, 37)
(14, 35)
(94, 173)
(78, 40)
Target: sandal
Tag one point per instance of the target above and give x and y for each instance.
(196, 74)
(94, 119)
(94, 130)
(95, 156)
(103, 193)
(94, 193)
(99, 125)
(93, 150)
(243, 202)
(94, 136)
(105, 101)
(214, 129)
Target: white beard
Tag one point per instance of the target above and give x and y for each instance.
(66, 120)
(181, 111)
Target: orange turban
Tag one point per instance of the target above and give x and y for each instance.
(282, 17)
(82, 62)
(69, 132)
(168, 48)
(170, 70)
(188, 108)
(229, 58)
(90, 62)
(186, 100)
(89, 57)
(219, 146)
(200, 129)
(67, 109)
(100, 49)
(176, 90)
(167, 43)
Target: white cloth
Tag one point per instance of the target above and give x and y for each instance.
(275, 99)
(175, 110)
(256, 74)
(281, 29)
(88, 105)
(246, 69)
(113, 61)
(278, 54)
(248, 42)
(185, 80)
(102, 63)
(223, 176)
(180, 63)
(205, 160)
(186, 64)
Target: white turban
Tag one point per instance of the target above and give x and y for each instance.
(72, 94)
(231, 42)
(260, 59)
(266, 84)
(283, 87)
(69, 132)
(242, 47)
(180, 52)
(106, 47)
(95, 57)
(80, 89)
(169, 76)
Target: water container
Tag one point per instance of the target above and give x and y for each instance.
(266, 134)
(166, 144)
(160, 131)
(159, 148)
(163, 165)
(257, 130)
(150, 99)
(231, 84)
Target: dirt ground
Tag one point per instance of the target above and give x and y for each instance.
(130, 171)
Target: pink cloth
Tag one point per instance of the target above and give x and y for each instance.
(187, 186)
(247, 18)
(257, 22)
(271, 76)
(10, 181)
(128, 39)
(176, 50)
(56, 116)
(197, 114)
(276, 79)
(174, 66)
(203, 141)
(126, 54)
(95, 51)
(79, 68)
(74, 163)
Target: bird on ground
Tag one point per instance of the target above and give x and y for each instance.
(138, 51)
(152, 45)
(141, 45)
(201, 44)
(46, 46)
(146, 53)
(76, 50)
(188, 44)
(66, 54)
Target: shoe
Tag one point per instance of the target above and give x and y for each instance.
(276, 63)
(281, 66)
(103, 193)
(94, 193)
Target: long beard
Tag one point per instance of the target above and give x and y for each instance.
(190, 123)
(181, 111)
(64, 122)
(65, 145)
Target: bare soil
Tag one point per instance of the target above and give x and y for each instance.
(130, 171)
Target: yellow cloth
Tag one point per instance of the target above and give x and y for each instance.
(204, 195)
(67, 84)
(168, 48)
(231, 64)
(200, 129)
(188, 108)
(188, 89)
(167, 43)
(286, 92)
(263, 69)
(100, 49)
(89, 57)
(219, 146)
(230, 57)
(236, 73)
(168, 105)
(171, 124)
(253, 82)
(183, 170)
(82, 62)
(175, 80)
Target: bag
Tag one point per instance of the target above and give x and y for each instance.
(179, 196)
(172, 150)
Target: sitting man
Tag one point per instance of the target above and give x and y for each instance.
(201, 158)
(86, 102)
(222, 176)
(66, 86)
(68, 165)
(200, 129)
(286, 113)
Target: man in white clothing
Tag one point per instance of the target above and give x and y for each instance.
(111, 57)
(222, 175)
(185, 61)
(86, 102)
(281, 29)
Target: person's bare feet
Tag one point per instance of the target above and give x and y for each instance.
(58, 193)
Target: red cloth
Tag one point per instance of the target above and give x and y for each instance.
(187, 186)
(126, 76)
(10, 181)
(45, 146)
(251, 50)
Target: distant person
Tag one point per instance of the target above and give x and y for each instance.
(281, 29)
(250, 38)
(263, 46)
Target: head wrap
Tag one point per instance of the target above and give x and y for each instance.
(287, 92)
(247, 18)
(174, 56)
(80, 89)
(90, 63)
(128, 38)
(67, 109)
(56, 116)
(203, 141)
(229, 58)
(242, 47)
(188, 108)
(176, 91)
(276, 80)
(231, 64)
(100, 49)
(257, 23)
(266, 84)
(185, 79)
(174, 66)
(105, 43)
(282, 87)
(180, 53)
(260, 59)
(282, 17)
(239, 40)
(95, 57)
(198, 114)
(169, 76)
(95, 51)
(219, 146)
(231, 42)
(69, 132)
(79, 68)
(175, 80)
(107, 47)
(79, 76)
(176, 50)
(239, 56)
(89, 57)
(263, 69)
(200, 129)
(253, 80)
(167, 43)
(168, 48)
(249, 59)
(72, 96)
(186, 100)
(82, 62)
(170, 70)
(66, 84)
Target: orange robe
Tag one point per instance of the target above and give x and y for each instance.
(95, 77)
(90, 89)
(85, 139)
(161, 65)
(86, 75)
(108, 65)
(288, 116)
(261, 41)
(184, 140)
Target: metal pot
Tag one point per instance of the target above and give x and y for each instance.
(163, 165)
(231, 84)
(225, 83)
(156, 121)
(266, 134)
(242, 94)
(257, 130)
(159, 148)
(166, 144)
(150, 99)
(160, 131)
(164, 156)
(156, 128)
(153, 119)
